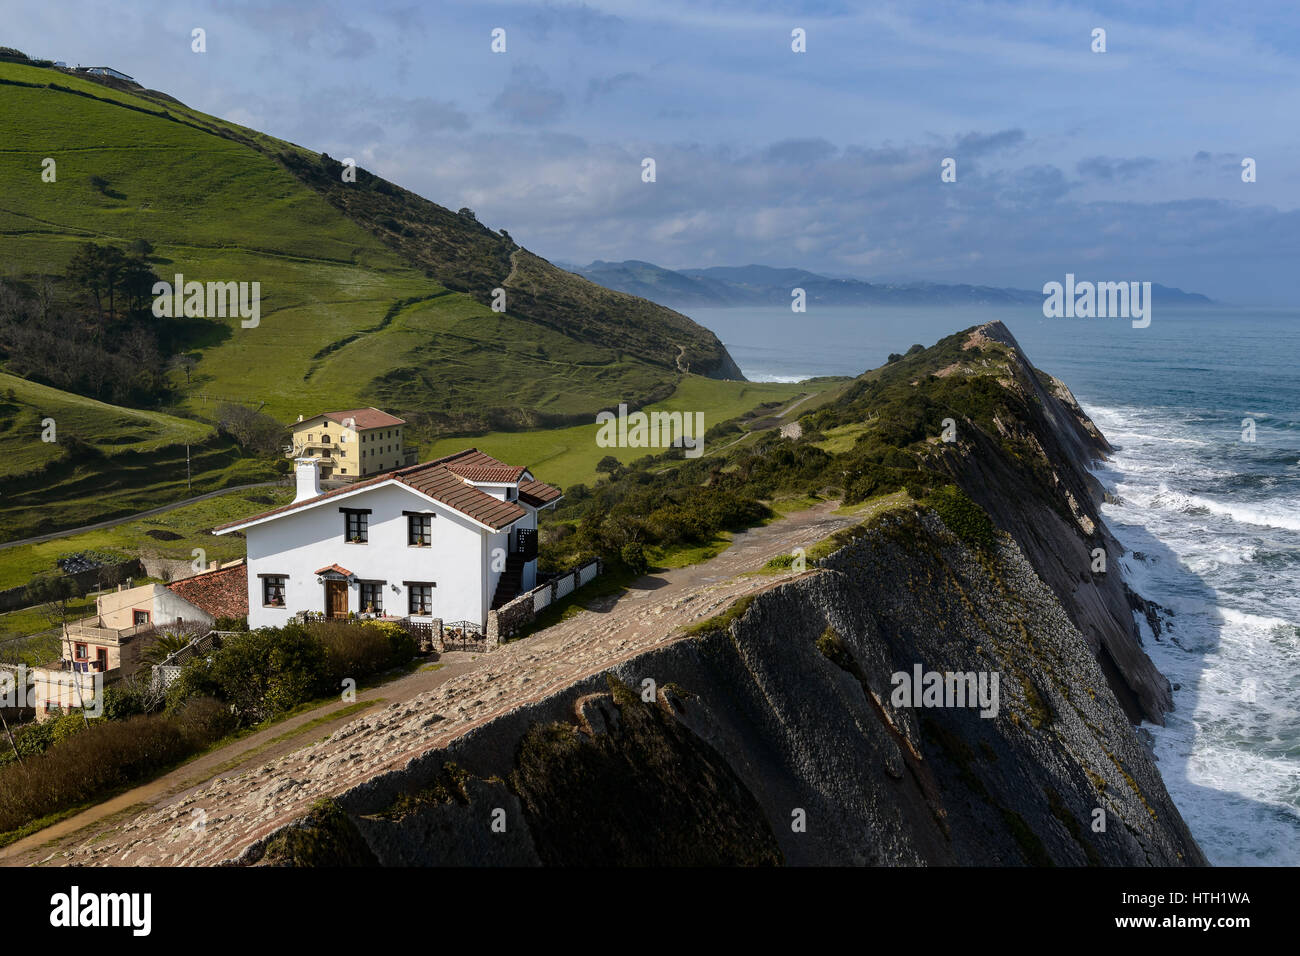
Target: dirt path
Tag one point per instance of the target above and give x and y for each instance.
(776, 419)
(253, 787)
(284, 737)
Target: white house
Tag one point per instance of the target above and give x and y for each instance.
(105, 71)
(448, 539)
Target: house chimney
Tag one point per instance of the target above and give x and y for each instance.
(308, 472)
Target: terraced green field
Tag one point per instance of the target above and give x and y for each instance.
(566, 456)
(110, 429)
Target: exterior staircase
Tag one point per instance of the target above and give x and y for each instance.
(511, 581)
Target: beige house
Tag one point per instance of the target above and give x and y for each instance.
(353, 444)
(110, 645)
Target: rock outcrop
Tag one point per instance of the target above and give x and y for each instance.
(1047, 499)
(773, 737)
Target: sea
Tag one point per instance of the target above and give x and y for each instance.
(1203, 408)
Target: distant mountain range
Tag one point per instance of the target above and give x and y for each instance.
(729, 286)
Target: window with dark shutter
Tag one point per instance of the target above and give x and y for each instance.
(273, 590)
(356, 525)
(420, 595)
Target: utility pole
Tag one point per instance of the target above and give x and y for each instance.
(188, 489)
(9, 733)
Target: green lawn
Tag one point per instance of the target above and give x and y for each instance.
(193, 523)
(567, 456)
(112, 429)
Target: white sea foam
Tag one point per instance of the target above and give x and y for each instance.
(1265, 515)
(1230, 751)
(782, 379)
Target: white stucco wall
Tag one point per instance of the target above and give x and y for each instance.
(296, 545)
(168, 606)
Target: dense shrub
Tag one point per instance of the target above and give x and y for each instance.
(122, 702)
(266, 672)
(259, 673)
(358, 651)
(34, 739)
(106, 756)
(963, 517)
(634, 557)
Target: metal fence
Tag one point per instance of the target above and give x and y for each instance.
(463, 636)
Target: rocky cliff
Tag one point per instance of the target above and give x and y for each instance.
(773, 736)
(1031, 476)
(779, 732)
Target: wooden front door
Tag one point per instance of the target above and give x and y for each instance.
(336, 598)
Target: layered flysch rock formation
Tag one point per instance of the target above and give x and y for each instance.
(1049, 503)
(773, 738)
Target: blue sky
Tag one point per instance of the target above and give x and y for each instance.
(1117, 165)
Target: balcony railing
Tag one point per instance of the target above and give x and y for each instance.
(93, 632)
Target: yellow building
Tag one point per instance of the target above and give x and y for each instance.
(352, 444)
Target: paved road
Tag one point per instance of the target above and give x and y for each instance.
(38, 539)
(253, 787)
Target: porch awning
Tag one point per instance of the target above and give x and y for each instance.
(334, 569)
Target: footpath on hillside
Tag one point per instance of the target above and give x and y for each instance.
(252, 787)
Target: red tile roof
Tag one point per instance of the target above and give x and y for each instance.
(362, 418)
(491, 473)
(336, 569)
(440, 480)
(537, 493)
(220, 593)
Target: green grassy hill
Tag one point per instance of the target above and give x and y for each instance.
(220, 202)
(370, 295)
(107, 460)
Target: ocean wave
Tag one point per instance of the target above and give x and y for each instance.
(778, 379)
(1260, 516)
